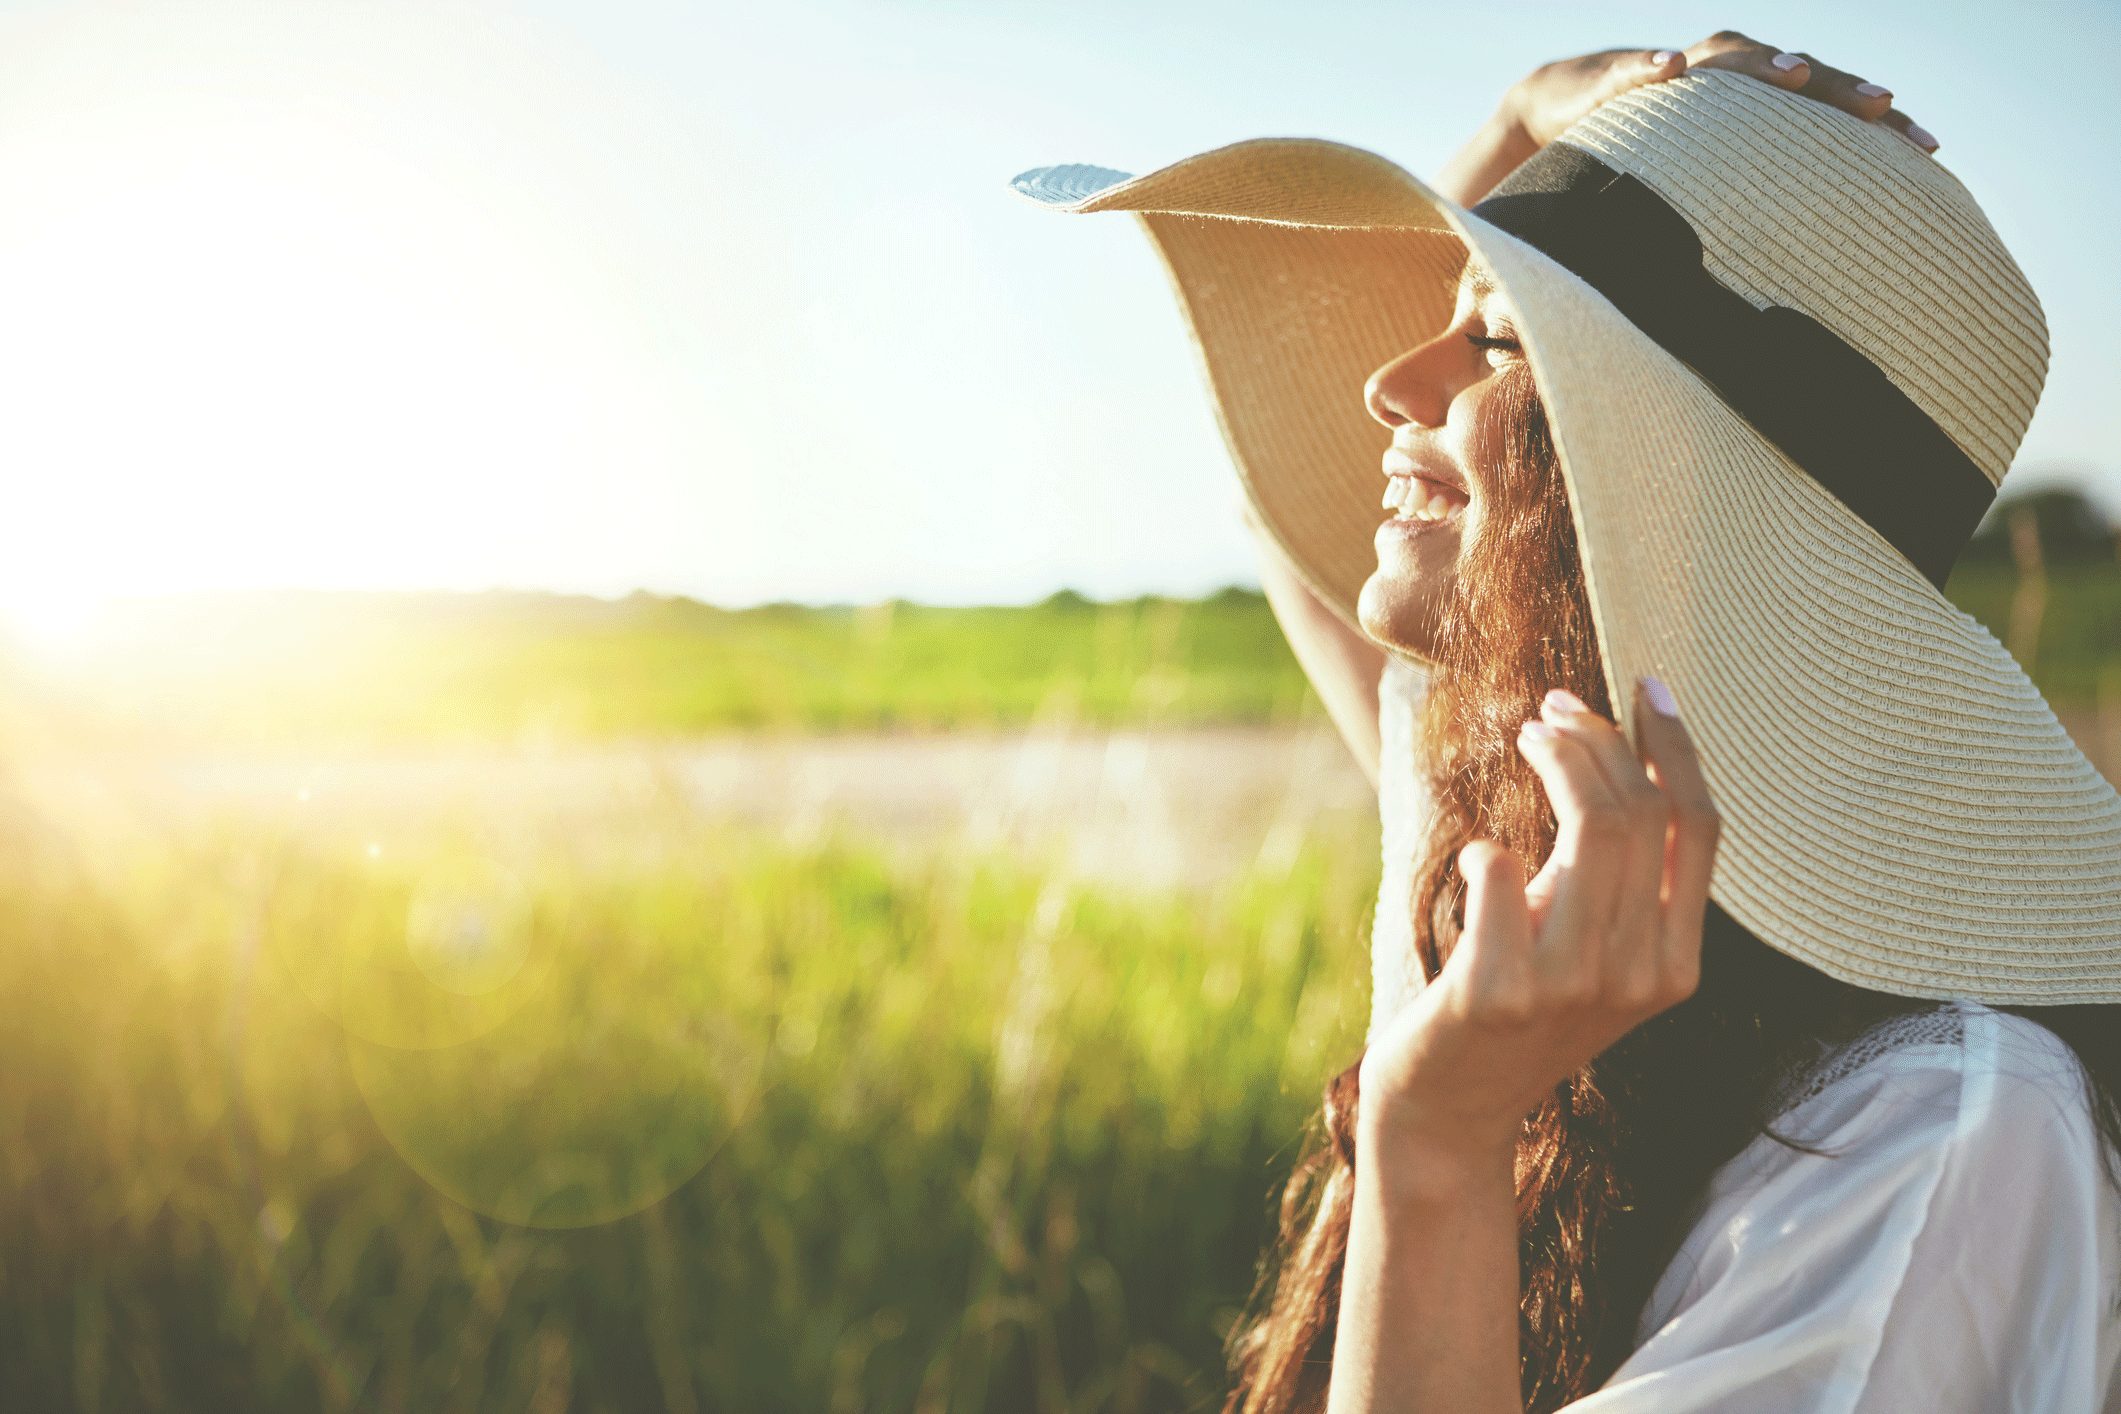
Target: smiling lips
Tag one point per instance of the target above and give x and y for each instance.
(1417, 497)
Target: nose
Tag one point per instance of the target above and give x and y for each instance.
(1414, 387)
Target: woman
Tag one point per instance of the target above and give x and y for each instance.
(1758, 1047)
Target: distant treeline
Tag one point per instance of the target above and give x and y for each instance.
(369, 669)
(2071, 531)
(2044, 574)
(316, 668)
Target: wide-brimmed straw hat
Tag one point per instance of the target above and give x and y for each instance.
(1787, 362)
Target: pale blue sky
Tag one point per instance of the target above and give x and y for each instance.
(735, 302)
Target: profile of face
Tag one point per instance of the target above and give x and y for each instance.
(1447, 402)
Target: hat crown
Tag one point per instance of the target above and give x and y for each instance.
(1800, 205)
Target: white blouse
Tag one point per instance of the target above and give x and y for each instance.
(1962, 1252)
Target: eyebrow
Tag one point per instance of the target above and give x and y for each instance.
(1478, 280)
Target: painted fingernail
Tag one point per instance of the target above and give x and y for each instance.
(1787, 62)
(1662, 57)
(1922, 135)
(1660, 696)
(1874, 90)
(1563, 700)
(1536, 730)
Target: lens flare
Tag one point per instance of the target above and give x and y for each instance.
(597, 1099)
(411, 960)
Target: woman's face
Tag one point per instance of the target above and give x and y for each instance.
(1440, 400)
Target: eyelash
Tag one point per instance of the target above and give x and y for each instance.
(1488, 341)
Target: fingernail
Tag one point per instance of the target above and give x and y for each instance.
(1922, 135)
(1662, 57)
(1787, 62)
(1536, 730)
(1874, 90)
(1660, 696)
(1563, 700)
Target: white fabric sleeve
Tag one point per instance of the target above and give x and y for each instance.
(1403, 809)
(1402, 686)
(1959, 1255)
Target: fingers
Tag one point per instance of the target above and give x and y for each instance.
(1849, 92)
(1908, 128)
(1853, 94)
(1799, 73)
(1668, 755)
(1590, 845)
(1612, 923)
(1626, 69)
(1656, 65)
(1802, 73)
(1742, 54)
(1639, 832)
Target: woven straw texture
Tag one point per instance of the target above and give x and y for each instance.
(1902, 809)
(1870, 237)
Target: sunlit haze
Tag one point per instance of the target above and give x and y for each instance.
(734, 302)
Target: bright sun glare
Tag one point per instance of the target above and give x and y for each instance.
(53, 623)
(285, 336)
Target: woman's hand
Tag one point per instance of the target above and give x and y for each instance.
(1545, 976)
(1555, 95)
(1551, 97)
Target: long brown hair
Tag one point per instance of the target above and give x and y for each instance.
(1611, 1167)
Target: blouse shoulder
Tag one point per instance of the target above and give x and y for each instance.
(1949, 1213)
(1957, 1055)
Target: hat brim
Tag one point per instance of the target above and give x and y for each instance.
(1902, 810)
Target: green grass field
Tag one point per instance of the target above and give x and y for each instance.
(520, 1114)
(676, 1120)
(348, 670)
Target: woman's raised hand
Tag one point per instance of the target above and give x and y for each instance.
(1546, 975)
(1555, 95)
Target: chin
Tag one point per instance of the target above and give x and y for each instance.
(1397, 614)
(1417, 570)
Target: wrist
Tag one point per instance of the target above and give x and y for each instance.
(1407, 1162)
(1496, 147)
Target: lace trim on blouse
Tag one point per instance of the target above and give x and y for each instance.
(1941, 1025)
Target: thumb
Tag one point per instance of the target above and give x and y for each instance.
(1497, 913)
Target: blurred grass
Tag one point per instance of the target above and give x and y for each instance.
(941, 1136)
(651, 1114)
(2075, 657)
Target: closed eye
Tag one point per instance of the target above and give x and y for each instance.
(1489, 341)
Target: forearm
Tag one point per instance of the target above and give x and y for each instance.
(1499, 145)
(1429, 1290)
(1342, 665)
